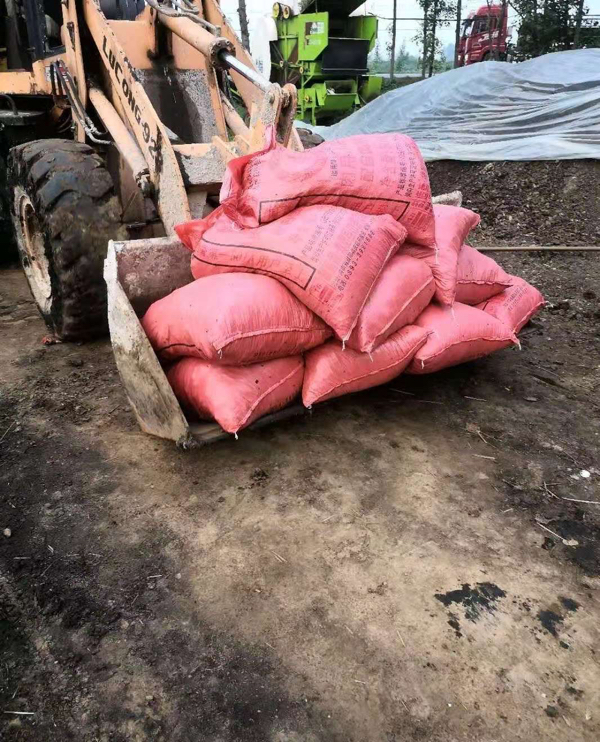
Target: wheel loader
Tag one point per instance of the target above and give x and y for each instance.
(119, 120)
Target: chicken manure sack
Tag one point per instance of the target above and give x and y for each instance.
(328, 257)
(516, 305)
(452, 227)
(236, 396)
(402, 292)
(478, 277)
(456, 335)
(234, 318)
(332, 371)
(370, 173)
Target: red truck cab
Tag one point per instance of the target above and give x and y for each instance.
(485, 35)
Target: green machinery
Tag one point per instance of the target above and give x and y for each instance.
(324, 53)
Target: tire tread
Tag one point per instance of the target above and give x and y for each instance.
(78, 211)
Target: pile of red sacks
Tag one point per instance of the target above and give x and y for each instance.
(326, 272)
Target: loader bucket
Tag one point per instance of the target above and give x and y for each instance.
(138, 273)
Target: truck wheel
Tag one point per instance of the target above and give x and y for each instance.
(64, 211)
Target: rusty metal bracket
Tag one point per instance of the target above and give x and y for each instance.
(285, 123)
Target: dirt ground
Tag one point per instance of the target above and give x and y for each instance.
(544, 203)
(400, 565)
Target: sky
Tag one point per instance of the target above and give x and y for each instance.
(406, 30)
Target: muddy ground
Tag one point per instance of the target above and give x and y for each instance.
(400, 565)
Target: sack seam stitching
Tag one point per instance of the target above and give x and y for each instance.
(405, 305)
(412, 352)
(268, 391)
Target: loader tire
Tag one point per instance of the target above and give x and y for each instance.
(8, 247)
(64, 211)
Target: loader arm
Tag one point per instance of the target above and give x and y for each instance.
(130, 100)
(173, 169)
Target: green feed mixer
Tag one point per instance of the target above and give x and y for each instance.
(320, 48)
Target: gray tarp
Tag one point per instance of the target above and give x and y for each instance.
(543, 109)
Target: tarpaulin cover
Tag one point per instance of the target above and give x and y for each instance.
(543, 109)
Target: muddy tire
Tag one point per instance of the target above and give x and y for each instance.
(8, 247)
(64, 211)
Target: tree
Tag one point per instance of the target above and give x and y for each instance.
(495, 27)
(404, 61)
(379, 62)
(433, 41)
(578, 20)
(553, 25)
(244, 23)
(425, 5)
(436, 13)
(503, 15)
(376, 62)
(393, 43)
(457, 31)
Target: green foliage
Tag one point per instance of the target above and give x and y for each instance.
(436, 14)
(405, 61)
(550, 26)
(376, 62)
(590, 34)
(398, 82)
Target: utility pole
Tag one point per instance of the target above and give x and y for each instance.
(244, 24)
(491, 28)
(393, 49)
(457, 34)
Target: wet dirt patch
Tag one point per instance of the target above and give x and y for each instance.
(475, 601)
(550, 620)
(569, 603)
(91, 630)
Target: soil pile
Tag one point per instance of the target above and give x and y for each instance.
(543, 203)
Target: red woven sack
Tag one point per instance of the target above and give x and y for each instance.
(452, 227)
(478, 277)
(402, 292)
(328, 257)
(458, 334)
(332, 371)
(235, 319)
(370, 173)
(515, 306)
(236, 396)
